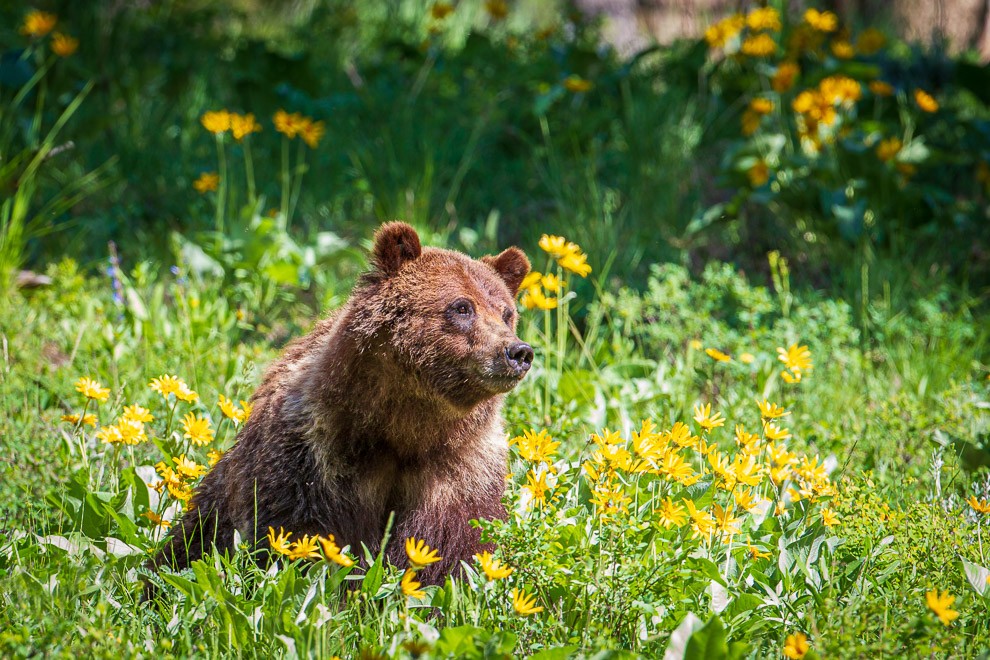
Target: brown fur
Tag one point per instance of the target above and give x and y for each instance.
(391, 404)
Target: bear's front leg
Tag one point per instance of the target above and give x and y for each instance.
(445, 526)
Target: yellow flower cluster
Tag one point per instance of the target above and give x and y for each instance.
(38, 23)
(293, 125)
(221, 121)
(129, 428)
(207, 182)
(759, 474)
(534, 288)
(167, 385)
(308, 547)
(92, 389)
(568, 255)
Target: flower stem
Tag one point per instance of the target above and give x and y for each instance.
(221, 195)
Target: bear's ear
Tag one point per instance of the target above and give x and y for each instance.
(395, 244)
(511, 265)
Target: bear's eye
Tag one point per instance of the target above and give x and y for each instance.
(507, 316)
(462, 308)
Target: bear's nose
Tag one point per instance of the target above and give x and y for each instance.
(520, 356)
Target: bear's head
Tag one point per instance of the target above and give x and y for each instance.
(444, 318)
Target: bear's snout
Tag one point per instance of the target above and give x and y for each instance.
(519, 355)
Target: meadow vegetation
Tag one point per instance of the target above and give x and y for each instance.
(758, 424)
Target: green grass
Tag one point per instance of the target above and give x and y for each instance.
(478, 135)
(621, 582)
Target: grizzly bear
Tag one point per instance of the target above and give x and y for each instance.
(391, 405)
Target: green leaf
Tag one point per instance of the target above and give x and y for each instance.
(977, 576)
(708, 643)
(558, 653)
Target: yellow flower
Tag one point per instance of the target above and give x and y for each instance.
(243, 125)
(796, 646)
(534, 298)
(287, 124)
(216, 121)
(979, 506)
(534, 277)
(440, 10)
(333, 552)
(577, 84)
(695, 344)
(888, 149)
(497, 9)
(536, 447)
(131, 431)
(717, 355)
(537, 488)
(823, 21)
(155, 519)
(941, 606)
(925, 101)
(840, 90)
(92, 389)
(38, 23)
(671, 514)
(304, 548)
(230, 410)
(279, 543)
(186, 394)
(725, 521)
(791, 378)
(703, 415)
(870, 41)
(188, 468)
(575, 262)
(761, 106)
(702, 522)
(137, 413)
(207, 182)
(410, 587)
(774, 432)
(247, 408)
(830, 518)
(420, 554)
(523, 603)
(881, 88)
(748, 442)
(88, 418)
(63, 45)
(719, 34)
(166, 385)
(842, 49)
(555, 246)
(760, 45)
(213, 456)
(493, 568)
(110, 435)
(312, 132)
(754, 552)
(758, 174)
(783, 78)
(552, 283)
(197, 429)
(796, 358)
(744, 499)
(763, 18)
(771, 410)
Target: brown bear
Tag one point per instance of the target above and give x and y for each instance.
(391, 404)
